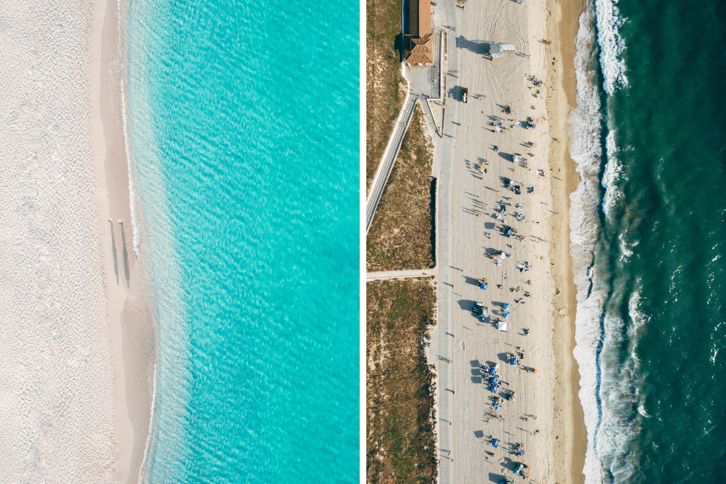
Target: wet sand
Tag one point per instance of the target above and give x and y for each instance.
(569, 427)
(128, 297)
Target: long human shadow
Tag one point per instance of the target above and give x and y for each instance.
(113, 249)
(126, 254)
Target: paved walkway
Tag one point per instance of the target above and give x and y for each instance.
(429, 116)
(376, 276)
(389, 156)
(442, 342)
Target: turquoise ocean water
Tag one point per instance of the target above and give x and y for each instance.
(244, 132)
(649, 239)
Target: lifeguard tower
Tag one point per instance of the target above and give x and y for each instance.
(496, 49)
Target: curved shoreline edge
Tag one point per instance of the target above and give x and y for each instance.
(569, 423)
(129, 303)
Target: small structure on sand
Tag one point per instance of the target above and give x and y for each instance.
(496, 49)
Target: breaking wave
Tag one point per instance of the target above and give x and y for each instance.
(609, 21)
(605, 339)
(584, 126)
(613, 170)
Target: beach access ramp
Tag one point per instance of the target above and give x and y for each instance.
(389, 156)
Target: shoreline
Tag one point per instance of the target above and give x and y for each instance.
(568, 418)
(128, 296)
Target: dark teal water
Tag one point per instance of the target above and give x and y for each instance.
(649, 137)
(244, 131)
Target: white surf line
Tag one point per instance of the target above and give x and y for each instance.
(410, 274)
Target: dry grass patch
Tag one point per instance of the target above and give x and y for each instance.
(400, 383)
(385, 85)
(401, 236)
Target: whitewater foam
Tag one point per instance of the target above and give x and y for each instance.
(611, 43)
(613, 171)
(609, 386)
(133, 196)
(621, 388)
(585, 128)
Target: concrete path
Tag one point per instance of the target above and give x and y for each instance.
(376, 276)
(429, 116)
(389, 156)
(442, 343)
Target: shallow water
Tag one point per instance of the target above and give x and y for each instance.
(244, 128)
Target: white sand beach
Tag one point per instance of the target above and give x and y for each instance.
(76, 334)
(545, 421)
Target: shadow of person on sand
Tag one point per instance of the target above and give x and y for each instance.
(497, 477)
(471, 280)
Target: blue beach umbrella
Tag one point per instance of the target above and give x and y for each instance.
(506, 306)
(495, 443)
(512, 361)
(506, 315)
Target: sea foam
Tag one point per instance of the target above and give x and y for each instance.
(584, 130)
(608, 386)
(608, 22)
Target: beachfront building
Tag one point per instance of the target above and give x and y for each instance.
(419, 40)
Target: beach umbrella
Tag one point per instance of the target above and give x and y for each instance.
(495, 443)
(492, 371)
(506, 306)
(506, 315)
(512, 361)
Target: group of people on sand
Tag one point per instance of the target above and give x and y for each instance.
(491, 375)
